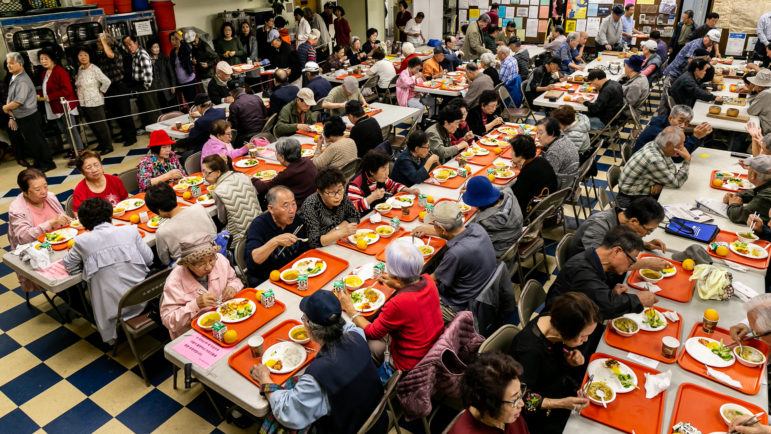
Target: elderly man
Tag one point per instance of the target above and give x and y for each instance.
(247, 112)
(413, 31)
(218, 86)
(283, 93)
(565, 53)
(474, 44)
(272, 239)
(578, 52)
(141, 80)
(306, 51)
(609, 101)
(651, 168)
(201, 130)
(468, 262)
(283, 57)
(680, 116)
(758, 200)
(204, 58)
(110, 60)
(680, 36)
(627, 25)
(542, 79)
(432, 68)
(521, 55)
(508, 32)
(348, 91)
(710, 24)
(677, 66)
(479, 82)
(366, 131)
(319, 24)
(451, 54)
(318, 84)
(296, 116)
(634, 85)
(25, 124)
(555, 40)
(760, 104)
(609, 36)
(509, 68)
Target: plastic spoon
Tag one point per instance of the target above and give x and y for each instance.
(600, 394)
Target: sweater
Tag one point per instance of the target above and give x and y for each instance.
(358, 191)
(756, 200)
(562, 154)
(114, 192)
(233, 45)
(481, 83)
(337, 154)
(686, 90)
(299, 176)
(608, 102)
(760, 106)
(578, 132)
(59, 85)
(439, 141)
(237, 203)
(168, 234)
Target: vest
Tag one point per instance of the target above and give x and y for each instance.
(239, 197)
(349, 378)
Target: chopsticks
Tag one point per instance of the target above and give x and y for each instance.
(751, 336)
(752, 225)
(749, 422)
(296, 231)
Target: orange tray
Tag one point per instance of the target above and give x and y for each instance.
(452, 183)
(242, 360)
(415, 210)
(712, 178)
(730, 237)
(498, 181)
(340, 77)
(466, 216)
(60, 246)
(372, 112)
(750, 378)
(436, 242)
(244, 328)
(375, 248)
(145, 227)
(246, 169)
(335, 266)
(311, 133)
(630, 412)
(482, 160)
(677, 287)
(646, 344)
(436, 85)
(126, 217)
(701, 407)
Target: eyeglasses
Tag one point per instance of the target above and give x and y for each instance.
(229, 133)
(632, 260)
(205, 263)
(649, 229)
(91, 167)
(521, 397)
(337, 193)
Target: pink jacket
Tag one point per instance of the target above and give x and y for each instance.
(405, 87)
(181, 289)
(441, 369)
(215, 146)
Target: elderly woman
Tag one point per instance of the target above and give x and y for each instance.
(373, 184)
(164, 77)
(574, 126)
(323, 395)
(112, 260)
(413, 164)
(336, 62)
(299, 175)
(372, 43)
(219, 142)
(408, 51)
(181, 57)
(91, 84)
(536, 174)
(328, 213)
(558, 150)
(485, 117)
(488, 67)
(499, 212)
(334, 149)
(95, 182)
(652, 63)
(201, 279)
(34, 212)
(402, 17)
(406, 95)
(494, 395)
(549, 348)
(440, 134)
(354, 54)
(463, 133)
(236, 200)
(228, 46)
(57, 84)
(411, 317)
(161, 164)
(758, 200)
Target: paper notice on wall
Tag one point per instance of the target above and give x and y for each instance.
(473, 14)
(533, 12)
(751, 41)
(510, 13)
(522, 12)
(645, 2)
(143, 28)
(462, 4)
(735, 45)
(543, 12)
(473, 3)
(591, 10)
(593, 26)
(521, 34)
(518, 23)
(570, 26)
(463, 16)
(581, 25)
(668, 6)
(543, 25)
(532, 28)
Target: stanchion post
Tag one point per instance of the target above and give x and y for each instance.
(66, 109)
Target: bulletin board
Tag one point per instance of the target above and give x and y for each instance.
(739, 16)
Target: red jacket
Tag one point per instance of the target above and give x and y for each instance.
(403, 65)
(59, 85)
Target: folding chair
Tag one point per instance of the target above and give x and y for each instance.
(455, 419)
(551, 204)
(193, 163)
(68, 207)
(626, 151)
(351, 169)
(531, 242)
(613, 175)
(532, 296)
(239, 257)
(371, 84)
(500, 340)
(169, 115)
(562, 249)
(612, 129)
(267, 130)
(130, 181)
(386, 405)
(390, 94)
(511, 113)
(525, 102)
(399, 142)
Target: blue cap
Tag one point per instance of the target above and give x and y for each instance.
(322, 308)
(480, 192)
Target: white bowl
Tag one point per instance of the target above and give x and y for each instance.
(621, 332)
(599, 402)
(745, 239)
(200, 318)
(118, 214)
(387, 235)
(299, 341)
(650, 279)
(351, 287)
(289, 281)
(747, 362)
(386, 208)
(732, 406)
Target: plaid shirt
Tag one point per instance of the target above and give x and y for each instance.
(142, 67)
(650, 166)
(677, 67)
(509, 70)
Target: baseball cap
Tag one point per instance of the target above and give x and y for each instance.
(760, 164)
(650, 45)
(273, 35)
(306, 95)
(311, 67)
(223, 66)
(321, 307)
(447, 213)
(201, 99)
(314, 34)
(350, 84)
(714, 35)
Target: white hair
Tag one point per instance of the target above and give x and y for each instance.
(761, 307)
(190, 36)
(681, 109)
(504, 49)
(572, 36)
(16, 57)
(407, 48)
(487, 59)
(669, 135)
(403, 260)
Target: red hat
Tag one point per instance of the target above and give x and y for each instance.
(160, 138)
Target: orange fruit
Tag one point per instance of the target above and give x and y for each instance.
(722, 251)
(688, 264)
(230, 336)
(497, 150)
(711, 314)
(187, 195)
(430, 199)
(134, 219)
(70, 243)
(361, 243)
(491, 177)
(275, 275)
(717, 182)
(422, 215)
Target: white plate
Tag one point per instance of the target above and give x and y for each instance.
(67, 233)
(208, 201)
(479, 151)
(605, 375)
(191, 180)
(370, 240)
(763, 253)
(290, 354)
(236, 320)
(644, 325)
(248, 162)
(499, 175)
(489, 141)
(76, 224)
(374, 305)
(130, 204)
(702, 354)
(265, 175)
(451, 173)
(665, 274)
(404, 200)
(155, 222)
(307, 153)
(301, 265)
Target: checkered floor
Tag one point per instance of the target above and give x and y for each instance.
(62, 378)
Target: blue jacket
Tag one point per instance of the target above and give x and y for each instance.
(451, 60)
(407, 171)
(655, 126)
(199, 134)
(320, 87)
(282, 96)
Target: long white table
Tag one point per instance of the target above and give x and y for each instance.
(168, 123)
(604, 63)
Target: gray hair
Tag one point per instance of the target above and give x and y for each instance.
(16, 57)
(669, 135)
(767, 141)
(289, 148)
(403, 260)
(761, 307)
(487, 59)
(471, 67)
(762, 178)
(573, 36)
(504, 49)
(327, 334)
(407, 48)
(484, 18)
(271, 197)
(682, 109)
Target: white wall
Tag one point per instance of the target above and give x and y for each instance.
(434, 12)
(202, 13)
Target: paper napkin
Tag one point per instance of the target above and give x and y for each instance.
(652, 287)
(655, 384)
(742, 291)
(723, 377)
(672, 316)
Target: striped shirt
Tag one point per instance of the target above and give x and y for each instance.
(649, 166)
(359, 197)
(509, 70)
